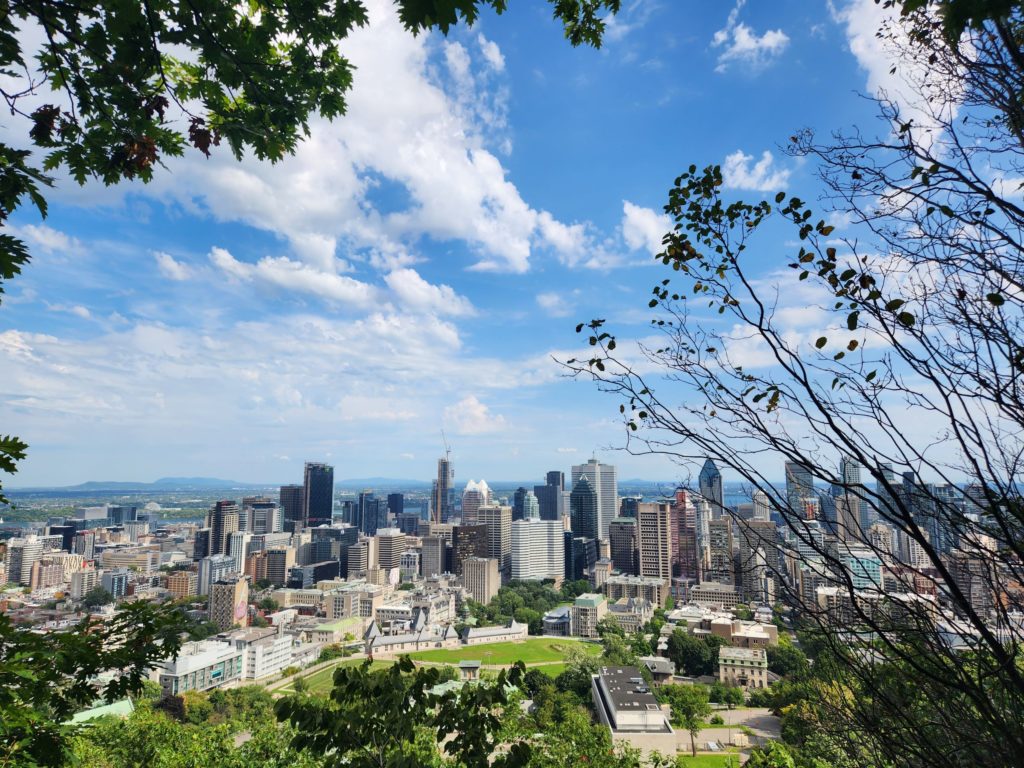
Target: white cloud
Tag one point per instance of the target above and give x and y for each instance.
(643, 228)
(471, 417)
(741, 45)
(287, 274)
(491, 53)
(73, 309)
(567, 450)
(43, 239)
(554, 304)
(171, 268)
(763, 176)
(412, 291)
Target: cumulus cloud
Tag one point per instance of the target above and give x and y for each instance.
(171, 268)
(471, 417)
(741, 45)
(412, 291)
(554, 304)
(491, 53)
(288, 274)
(44, 239)
(762, 176)
(643, 228)
(72, 309)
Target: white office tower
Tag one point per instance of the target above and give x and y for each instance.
(605, 482)
(475, 496)
(762, 508)
(238, 548)
(21, 554)
(538, 550)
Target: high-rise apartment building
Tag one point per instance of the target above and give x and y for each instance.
(468, 541)
(222, 521)
(720, 566)
(604, 480)
(229, 603)
(584, 512)
(538, 550)
(481, 578)
(318, 494)
(238, 548)
(441, 501)
(214, 568)
(710, 480)
(498, 520)
(182, 584)
(654, 526)
(625, 545)
(291, 498)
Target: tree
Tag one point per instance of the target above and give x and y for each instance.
(96, 597)
(129, 84)
(914, 362)
(47, 678)
(786, 659)
(732, 696)
(388, 717)
(690, 707)
(772, 755)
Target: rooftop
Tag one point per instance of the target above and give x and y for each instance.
(628, 690)
(741, 654)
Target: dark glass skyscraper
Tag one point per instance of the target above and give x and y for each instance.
(318, 494)
(548, 495)
(396, 504)
(711, 488)
(441, 501)
(291, 498)
(468, 541)
(583, 509)
(518, 498)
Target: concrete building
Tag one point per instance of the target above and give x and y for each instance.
(624, 702)
(83, 581)
(714, 595)
(201, 666)
(631, 613)
(116, 581)
(586, 611)
(481, 577)
(468, 541)
(511, 633)
(538, 550)
(653, 590)
(654, 526)
(498, 519)
(21, 553)
(213, 569)
(182, 584)
(745, 667)
(721, 567)
(391, 545)
(433, 556)
(229, 603)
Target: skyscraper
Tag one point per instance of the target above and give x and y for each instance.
(720, 562)
(468, 541)
(390, 548)
(222, 521)
(583, 505)
(481, 578)
(799, 486)
(538, 550)
(370, 513)
(262, 515)
(624, 541)
(710, 480)
(475, 496)
(604, 481)
(549, 496)
(760, 561)
(318, 494)
(291, 500)
(498, 521)
(517, 503)
(396, 504)
(850, 472)
(441, 503)
(655, 534)
(531, 507)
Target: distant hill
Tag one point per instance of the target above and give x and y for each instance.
(163, 484)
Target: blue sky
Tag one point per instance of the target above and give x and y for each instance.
(419, 262)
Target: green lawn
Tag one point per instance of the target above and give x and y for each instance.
(323, 680)
(532, 651)
(710, 761)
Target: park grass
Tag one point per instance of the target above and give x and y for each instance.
(322, 681)
(731, 760)
(535, 650)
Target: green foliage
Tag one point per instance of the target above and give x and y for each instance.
(524, 601)
(268, 604)
(203, 630)
(47, 678)
(787, 660)
(333, 651)
(389, 717)
(579, 668)
(772, 755)
(96, 597)
(716, 720)
(694, 656)
(690, 707)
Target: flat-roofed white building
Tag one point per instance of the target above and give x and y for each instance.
(201, 666)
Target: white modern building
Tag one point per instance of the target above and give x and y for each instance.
(201, 666)
(538, 550)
